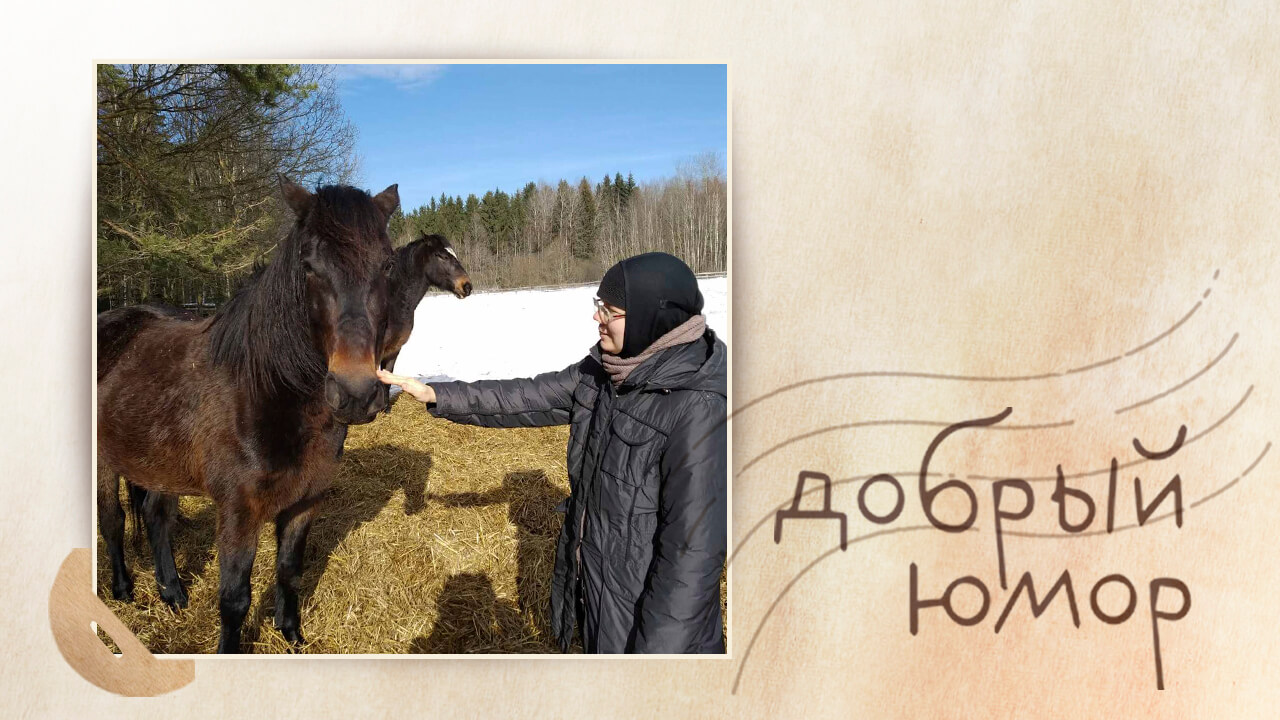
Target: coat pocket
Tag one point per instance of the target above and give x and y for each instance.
(625, 477)
(630, 450)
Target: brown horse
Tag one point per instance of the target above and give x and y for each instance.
(421, 265)
(248, 407)
(428, 262)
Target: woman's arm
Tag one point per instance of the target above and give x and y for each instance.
(682, 591)
(525, 402)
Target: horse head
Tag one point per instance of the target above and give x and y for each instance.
(345, 256)
(433, 258)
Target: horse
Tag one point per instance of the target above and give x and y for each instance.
(429, 261)
(248, 406)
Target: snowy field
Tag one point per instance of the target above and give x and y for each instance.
(517, 333)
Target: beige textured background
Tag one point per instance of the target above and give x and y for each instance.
(964, 188)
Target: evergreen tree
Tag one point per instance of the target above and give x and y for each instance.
(517, 221)
(584, 239)
(187, 157)
(561, 221)
(620, 189)
(449, 222)
(398, 226)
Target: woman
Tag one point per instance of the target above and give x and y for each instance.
(642, 548)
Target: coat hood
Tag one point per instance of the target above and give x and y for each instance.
(658, 292)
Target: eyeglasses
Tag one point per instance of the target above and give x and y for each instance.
(606, 313)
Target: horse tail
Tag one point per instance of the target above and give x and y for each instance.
(137, 496)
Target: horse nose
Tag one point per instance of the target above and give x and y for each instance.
(378, 401)
(356, 405)
(333, 394)
(462, 286)
(368, 401)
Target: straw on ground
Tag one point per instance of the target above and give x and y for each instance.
(435, 538)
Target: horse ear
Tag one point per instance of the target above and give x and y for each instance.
(388, 200)
(295, 196)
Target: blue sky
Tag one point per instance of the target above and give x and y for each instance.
(462, 129)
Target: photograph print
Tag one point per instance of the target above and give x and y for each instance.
(413, 358)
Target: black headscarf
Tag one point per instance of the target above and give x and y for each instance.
(657, 291)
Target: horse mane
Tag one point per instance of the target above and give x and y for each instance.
(263, 333)
(341, 213)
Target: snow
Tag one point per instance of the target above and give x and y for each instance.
(517, 333)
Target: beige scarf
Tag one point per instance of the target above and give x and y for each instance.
(688, 331)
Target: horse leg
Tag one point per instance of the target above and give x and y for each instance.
(390, 366)
(111, 523)
(160, 513)
(292, 525)
(237, 547)
(342, 441)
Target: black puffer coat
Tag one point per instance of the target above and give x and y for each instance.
(643, 543)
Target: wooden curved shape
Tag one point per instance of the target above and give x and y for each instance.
(133, 673)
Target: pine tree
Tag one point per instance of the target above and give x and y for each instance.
(561, 222)
(399, 226)
(495, 220)
(584, 240)
(187, 157)
(518, 218)
(620, 189)
(451, 223)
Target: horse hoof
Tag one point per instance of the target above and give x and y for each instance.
(291, 632)
(123, 592)
(228, 647)
(175, 598)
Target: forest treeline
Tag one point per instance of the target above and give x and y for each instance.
(544, 234)
(187, 199)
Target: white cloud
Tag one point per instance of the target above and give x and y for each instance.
(404, 77)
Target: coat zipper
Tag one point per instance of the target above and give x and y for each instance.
(582, 522)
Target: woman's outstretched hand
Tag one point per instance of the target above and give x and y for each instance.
(419, 391)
